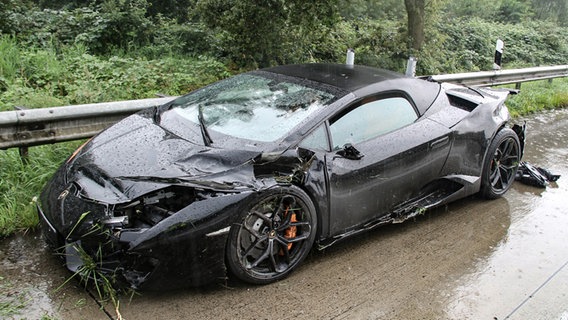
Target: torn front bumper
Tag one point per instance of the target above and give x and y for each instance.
(186, 249)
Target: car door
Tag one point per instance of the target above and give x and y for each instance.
(381, 156)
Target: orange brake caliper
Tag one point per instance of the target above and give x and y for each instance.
(291, 232)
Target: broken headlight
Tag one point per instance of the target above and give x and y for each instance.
(149, 210)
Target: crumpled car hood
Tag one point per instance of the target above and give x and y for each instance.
(137, 156)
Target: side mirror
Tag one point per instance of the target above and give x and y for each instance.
(350, 152)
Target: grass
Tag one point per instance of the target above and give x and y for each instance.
(11, 301)
(539, 96)
(21, 183)
(89, 273)
(46, 77)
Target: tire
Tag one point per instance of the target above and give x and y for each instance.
(501, 164)
(273, 236)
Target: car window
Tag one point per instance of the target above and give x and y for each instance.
(372, 119)
(316, 140)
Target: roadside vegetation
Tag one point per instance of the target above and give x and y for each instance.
(65, 52)
(539, 96)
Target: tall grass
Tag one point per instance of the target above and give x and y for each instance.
(9, 57)
(21, 183)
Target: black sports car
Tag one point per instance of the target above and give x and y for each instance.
(248, 174)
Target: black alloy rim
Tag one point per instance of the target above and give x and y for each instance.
(267, 247)
(504, 165)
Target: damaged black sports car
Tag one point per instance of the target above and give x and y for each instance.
(246, 175)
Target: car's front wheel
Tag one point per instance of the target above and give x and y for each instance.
(274, 234)
(501, 163)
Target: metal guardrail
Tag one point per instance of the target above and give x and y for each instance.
(500, 77)
(32, 127)
(26, 128)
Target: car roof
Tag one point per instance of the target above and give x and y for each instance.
(364, 80)
(349, 78)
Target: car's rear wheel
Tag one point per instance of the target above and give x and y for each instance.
(501, 163)
(273, 236)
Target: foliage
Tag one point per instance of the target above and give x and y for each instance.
(42, 78)
(509, 11)
(484, 9)
(8, 8)
(247, 34)
(255, 34)
(468, 44)
(551, 10)
(514, 11)
(374, 10)
(376, 43)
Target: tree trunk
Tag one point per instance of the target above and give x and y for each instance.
(415, 12)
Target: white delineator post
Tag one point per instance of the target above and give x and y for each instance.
(350, 57)
(411, 67)
(498, 54)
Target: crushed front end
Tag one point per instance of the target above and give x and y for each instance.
(173, 236)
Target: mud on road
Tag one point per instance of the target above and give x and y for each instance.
(472, 259)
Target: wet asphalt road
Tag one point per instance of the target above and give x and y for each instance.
(472, 259)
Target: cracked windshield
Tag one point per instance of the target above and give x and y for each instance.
(256, 106)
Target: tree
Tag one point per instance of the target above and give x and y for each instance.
(416, 17)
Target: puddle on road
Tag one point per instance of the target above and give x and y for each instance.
(30, 281)
(24, 282)
(533, 255)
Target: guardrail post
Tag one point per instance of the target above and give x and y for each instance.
(24, 155)
(23, 151)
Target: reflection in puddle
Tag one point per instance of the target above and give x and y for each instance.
(25, 288)
(531, 255)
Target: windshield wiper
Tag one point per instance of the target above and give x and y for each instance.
(206, 138)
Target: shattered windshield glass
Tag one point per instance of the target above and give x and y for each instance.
(255, 106)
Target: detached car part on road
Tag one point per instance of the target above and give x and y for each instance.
(248, 174)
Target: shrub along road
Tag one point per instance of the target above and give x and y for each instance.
(473, 259)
